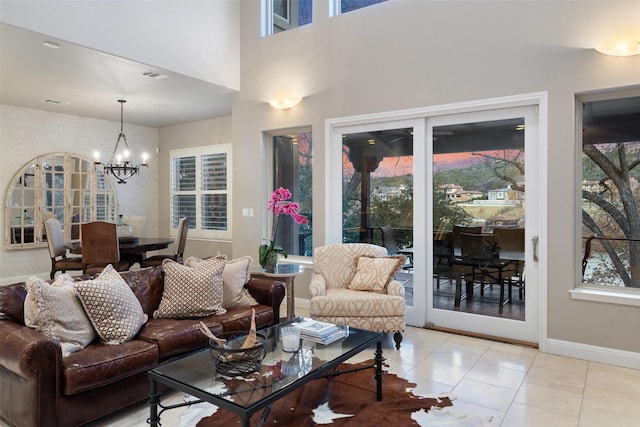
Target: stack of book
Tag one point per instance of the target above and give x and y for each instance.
(320, 332)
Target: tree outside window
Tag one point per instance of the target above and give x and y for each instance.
(611, 192)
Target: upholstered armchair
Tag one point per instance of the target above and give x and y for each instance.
(353, 284)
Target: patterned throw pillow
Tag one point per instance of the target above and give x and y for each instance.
(191, 292)
(234, 276)
(374, 274)
(113, 308)
(56, 311)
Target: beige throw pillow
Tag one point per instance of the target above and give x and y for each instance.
(111, 306)
(56, 311)
(374, 274)
(192, 291)
(234, 276)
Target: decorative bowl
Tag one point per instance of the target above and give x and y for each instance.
(231, 359)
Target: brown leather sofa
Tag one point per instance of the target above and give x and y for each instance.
(38, 387)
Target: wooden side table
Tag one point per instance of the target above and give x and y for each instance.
(286, 273)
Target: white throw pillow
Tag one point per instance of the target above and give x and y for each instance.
(56, 311)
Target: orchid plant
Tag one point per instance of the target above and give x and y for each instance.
(280, 204)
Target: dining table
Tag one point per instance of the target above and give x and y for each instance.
(131, 245)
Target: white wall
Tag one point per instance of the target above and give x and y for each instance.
(199, 39)
(405, 54)
(26, 134)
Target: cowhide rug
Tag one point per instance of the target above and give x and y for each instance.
(347, 400)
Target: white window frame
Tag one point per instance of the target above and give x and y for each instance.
(195, 224)
(583, 291)
(335, 7)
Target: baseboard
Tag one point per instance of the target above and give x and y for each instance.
(592, 353)
(302, 303)
(17, 279)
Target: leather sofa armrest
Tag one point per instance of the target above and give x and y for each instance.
(30, 374)
(317, 286)
(395, 288)
(26, 352)
(268, 292)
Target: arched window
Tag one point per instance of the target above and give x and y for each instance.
(56, 185)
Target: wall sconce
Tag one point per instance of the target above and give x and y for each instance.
(621, 47)
(285, 103)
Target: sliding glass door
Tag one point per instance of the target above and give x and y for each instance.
(418, 182)
(379, 200)
(484, 222)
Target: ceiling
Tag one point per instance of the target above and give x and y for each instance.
(88, 83)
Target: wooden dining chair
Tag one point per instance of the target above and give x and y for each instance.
(58, 250)
(100, 247)
(183, 228)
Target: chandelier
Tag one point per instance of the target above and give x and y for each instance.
(120, 164)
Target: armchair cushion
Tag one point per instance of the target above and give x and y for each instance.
(338, 263)
(375, 273)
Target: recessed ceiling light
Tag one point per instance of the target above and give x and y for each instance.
(154, 75)
(55, 101)
(51, 45)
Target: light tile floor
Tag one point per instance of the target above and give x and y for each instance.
(517, 386)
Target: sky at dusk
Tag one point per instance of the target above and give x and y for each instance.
(398, 166)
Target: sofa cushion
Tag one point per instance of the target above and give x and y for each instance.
(56, 311)
(340, 303)
(114, 310)
(147, 284)
(12, 302)
(191, 292)
(174, 337)
(375, 273)
(100, 364)
(239, 318)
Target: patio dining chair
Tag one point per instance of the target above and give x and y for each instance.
(389, 242)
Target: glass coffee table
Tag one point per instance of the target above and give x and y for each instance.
(279, 374)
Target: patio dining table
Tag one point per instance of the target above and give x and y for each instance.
(506, 261)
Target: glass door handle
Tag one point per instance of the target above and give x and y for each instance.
(535, 248)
